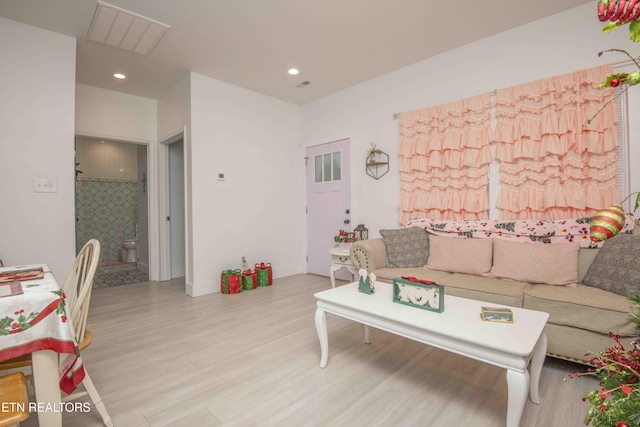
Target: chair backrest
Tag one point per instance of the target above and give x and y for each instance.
(78, 284)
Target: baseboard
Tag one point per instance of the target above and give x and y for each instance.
(143, 267)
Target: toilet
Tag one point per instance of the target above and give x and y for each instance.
(131, 246)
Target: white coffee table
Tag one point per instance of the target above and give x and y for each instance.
(458, 330)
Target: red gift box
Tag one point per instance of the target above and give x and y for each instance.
(230, 282)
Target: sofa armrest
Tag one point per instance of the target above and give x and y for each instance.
(369, 254)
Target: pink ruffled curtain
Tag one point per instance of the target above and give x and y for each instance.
(553, 164)
(444, 161)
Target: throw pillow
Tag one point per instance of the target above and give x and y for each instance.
(406, 247)
(616, 267)
(536, 263)
(460, 255)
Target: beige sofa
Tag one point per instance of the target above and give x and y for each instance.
(580, 318)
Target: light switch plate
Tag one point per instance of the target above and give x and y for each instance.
(44, 185)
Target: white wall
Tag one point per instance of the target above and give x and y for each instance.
(556, 45)
(257, 211)
(102, 113)
(174, 109)
(36, 141)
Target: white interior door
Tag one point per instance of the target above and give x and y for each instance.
(176, 209)
(328, 202)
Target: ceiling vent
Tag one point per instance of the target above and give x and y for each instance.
(126, 30)
(303, 84)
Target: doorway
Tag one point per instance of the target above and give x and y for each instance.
(175, 216)
(111, 205)
(328, 203)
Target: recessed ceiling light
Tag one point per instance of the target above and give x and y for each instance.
(119, 76)
(293, 71)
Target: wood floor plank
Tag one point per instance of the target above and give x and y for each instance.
(372, 409)
(162, 358)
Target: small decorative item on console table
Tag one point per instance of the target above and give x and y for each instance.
(419, 293)
(344, 237)
(361, 232)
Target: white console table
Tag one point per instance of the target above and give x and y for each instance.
(340, 258)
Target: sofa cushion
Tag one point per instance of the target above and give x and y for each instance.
(568, 342)
(536, 263)
(495, 291)
(460, 255)
(406, 247)
(616, 267)
(582, 307)
(388, 274)
(585, 258)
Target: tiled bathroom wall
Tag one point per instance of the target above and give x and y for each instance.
(106, 159)
(106, 195)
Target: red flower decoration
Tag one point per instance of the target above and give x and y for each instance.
(626, 389)
(604, 393)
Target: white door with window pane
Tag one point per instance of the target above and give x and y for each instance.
(328, 202)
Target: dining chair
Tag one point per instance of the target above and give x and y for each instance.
(77, 288)
(13, 394)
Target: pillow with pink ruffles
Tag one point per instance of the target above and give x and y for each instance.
(536, 263)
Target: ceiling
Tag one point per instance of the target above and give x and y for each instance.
(252, 43)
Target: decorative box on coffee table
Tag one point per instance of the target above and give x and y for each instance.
(419, 293)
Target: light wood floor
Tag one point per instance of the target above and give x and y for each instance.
(161, 358)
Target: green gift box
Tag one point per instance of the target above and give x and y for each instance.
(263, 278)
(250, 279)
(265, 267)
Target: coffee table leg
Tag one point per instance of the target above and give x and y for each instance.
(518, 386)
(321, 327)
(537, 360)
(367, 334)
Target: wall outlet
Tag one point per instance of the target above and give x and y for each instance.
(43, 185)
(220, 176)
